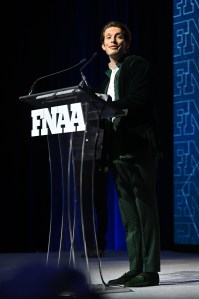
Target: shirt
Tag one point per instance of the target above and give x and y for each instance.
(111, 87)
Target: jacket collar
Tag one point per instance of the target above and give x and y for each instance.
(119, 63)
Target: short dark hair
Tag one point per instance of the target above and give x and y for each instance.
(125, 30)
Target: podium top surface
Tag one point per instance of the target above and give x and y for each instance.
(97, 103)
(51, 97)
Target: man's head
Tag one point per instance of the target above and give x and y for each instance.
(115, 39)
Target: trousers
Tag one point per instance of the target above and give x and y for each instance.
(135, 180)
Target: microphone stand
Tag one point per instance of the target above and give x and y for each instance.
(84, 82)
(53, 74)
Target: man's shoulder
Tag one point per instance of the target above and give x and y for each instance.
(132, 61)
(133, 58)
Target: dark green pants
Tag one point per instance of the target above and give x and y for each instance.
(135, 180)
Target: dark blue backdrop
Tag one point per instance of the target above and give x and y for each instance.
(47, 37)
(186, 125)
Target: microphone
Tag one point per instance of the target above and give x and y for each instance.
(84, 81)
(56, 73)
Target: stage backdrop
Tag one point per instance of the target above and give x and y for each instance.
(186, 122)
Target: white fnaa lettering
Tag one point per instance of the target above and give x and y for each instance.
(57, 120)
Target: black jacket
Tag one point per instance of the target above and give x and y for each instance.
(135, 133)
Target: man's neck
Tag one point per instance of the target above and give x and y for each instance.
(112, 64)
(113, 61)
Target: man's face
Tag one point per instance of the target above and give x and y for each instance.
(114, 44)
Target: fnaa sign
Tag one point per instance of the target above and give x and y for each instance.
(57, 120)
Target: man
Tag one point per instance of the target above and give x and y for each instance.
(131, 145)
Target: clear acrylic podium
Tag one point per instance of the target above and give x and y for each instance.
(64, 150)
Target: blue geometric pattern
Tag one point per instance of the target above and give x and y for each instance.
(186, 121)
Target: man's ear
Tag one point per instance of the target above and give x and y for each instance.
(127, 46)
(103, 47)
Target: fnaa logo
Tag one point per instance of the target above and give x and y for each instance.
(57, 120)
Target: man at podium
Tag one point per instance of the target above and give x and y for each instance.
(132, 150)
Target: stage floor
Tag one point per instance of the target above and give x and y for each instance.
(179, 276)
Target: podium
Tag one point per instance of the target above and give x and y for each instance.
(70, 119)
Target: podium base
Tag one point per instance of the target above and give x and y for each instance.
(101, 289)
